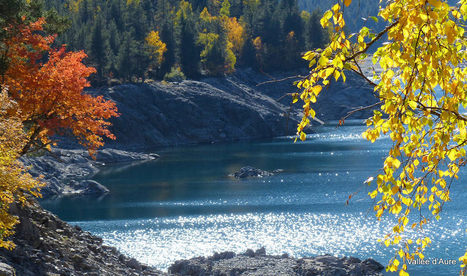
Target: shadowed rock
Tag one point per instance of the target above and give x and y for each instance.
(46, 245)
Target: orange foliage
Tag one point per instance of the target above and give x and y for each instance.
(50, 93)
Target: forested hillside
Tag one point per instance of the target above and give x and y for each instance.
(133, 40)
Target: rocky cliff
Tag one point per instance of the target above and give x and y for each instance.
(191, 112)
(245, 105)
(66, 171)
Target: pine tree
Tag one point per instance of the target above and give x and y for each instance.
(188, 51)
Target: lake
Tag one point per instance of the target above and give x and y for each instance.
(185, 204)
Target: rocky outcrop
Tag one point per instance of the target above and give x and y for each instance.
(249, 171)
(235, 107)
(258, 263)
(45, 245)
(333, 103)
(193, 112)
(66, 172)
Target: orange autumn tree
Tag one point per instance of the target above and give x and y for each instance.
(41, 95)
(47, 85)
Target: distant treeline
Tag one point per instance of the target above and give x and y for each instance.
(137, 39)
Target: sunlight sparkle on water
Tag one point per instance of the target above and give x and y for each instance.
(160, 242)
(152, 241)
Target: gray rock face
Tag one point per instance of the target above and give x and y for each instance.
(193, 112)
(228, 108)
(333, 103)
(45, 245)
(260, 264)
(249, 171)
(6, 270)
(66, 172)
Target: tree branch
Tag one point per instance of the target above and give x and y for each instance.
(281, 80)
(341, 121)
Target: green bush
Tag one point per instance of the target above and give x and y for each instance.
(175, 75)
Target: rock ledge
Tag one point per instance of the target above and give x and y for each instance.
(259, 264)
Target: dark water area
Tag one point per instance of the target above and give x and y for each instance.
(185, 204)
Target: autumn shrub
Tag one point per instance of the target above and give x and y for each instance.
(175, 75)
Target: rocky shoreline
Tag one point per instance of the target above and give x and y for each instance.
(67, 171)
(258, 263)
(46, 245)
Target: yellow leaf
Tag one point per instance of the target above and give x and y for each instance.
(396, 163)
(387, 242)
(312, 113)
(347, 2)
(452, 155)
(317, 89)
(403, 273)
(413, 105)
(395, 189)
(435, 3)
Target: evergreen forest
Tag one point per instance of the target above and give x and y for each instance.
(133, 40)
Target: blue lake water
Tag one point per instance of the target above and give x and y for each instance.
(185, 205)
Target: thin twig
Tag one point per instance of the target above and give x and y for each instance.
(358, 110)
(281, 80)
(285, 95)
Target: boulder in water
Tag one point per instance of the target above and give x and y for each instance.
(249, 171)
